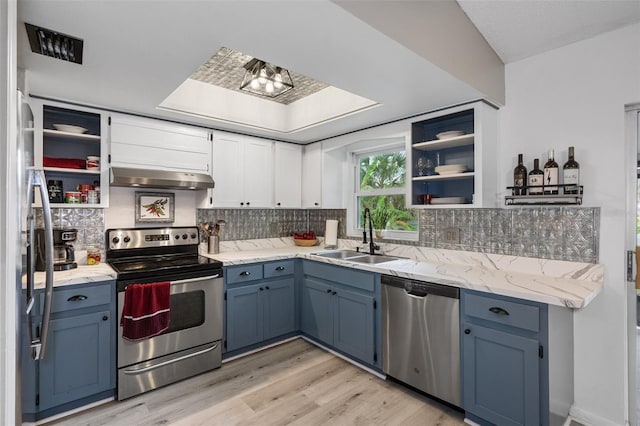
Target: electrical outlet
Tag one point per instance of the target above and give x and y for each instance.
(452, 235)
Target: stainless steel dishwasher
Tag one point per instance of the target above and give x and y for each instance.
(421, 336)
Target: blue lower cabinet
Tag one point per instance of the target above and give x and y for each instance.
(316, 310)
(79, 365)
(78, 361)
(501, 376)
(353, 330)
(508, 348)
(279, 308)
(339, 316)
(244, 316)
(262, 308)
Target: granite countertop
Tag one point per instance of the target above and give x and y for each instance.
(561, 283)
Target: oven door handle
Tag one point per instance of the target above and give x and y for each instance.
(192, 280)
(134, 371)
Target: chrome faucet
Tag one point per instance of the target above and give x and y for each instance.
(372, 246)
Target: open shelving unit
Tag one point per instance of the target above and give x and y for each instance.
(62, 154)
(474, 150)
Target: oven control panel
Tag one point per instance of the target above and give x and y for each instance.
(122, 239)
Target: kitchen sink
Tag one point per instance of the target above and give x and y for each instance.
(356, 256)
(372, 259)
(338, 254)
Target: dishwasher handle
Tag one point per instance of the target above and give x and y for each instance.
(421, 288)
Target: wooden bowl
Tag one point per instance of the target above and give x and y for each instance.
(305, 243)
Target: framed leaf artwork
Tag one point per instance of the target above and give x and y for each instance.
(155, 207)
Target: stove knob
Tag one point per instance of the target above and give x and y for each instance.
(115, 240)
(184, 236)
(193, 236)
(177, 237)
(127, 239)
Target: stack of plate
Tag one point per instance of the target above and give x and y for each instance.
(450, 134)
(69, 128)
(448, 200)
(450, 169)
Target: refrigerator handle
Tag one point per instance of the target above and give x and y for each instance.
(31, 243)
(39, 344)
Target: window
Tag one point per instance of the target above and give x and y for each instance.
(380, 187)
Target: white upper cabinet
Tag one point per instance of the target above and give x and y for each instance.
(145, 143)
(242, 171)
(312, 176)
(288, 175)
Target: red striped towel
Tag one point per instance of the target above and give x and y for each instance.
(146, 310)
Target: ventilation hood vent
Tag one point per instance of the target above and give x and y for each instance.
(144, 178)
(54, 44)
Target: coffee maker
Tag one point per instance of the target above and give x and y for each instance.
(63, 252)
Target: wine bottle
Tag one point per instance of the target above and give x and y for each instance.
(551, 175)
(519, 178)
(571, 174)
(536, 179)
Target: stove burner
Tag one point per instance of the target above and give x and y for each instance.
(162, 263)
(135, 256)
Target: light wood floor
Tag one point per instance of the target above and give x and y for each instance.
(292, 384)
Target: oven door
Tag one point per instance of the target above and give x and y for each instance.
(196, 319)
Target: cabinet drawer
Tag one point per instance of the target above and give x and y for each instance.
(278, 269)
(337, 274)
(507, 312)
(78, 298)
(243, 273)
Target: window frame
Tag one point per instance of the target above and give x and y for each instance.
(355, 229)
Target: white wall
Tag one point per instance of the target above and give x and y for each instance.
(575, 96)
(121, 211)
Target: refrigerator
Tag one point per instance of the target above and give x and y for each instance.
(34, 315)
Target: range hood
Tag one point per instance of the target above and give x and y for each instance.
(145, 178)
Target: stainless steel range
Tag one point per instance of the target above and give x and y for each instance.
(191, 344)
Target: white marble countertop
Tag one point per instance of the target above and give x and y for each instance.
(570, 284)
(80, 275)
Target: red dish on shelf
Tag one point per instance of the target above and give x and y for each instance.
(64, 163)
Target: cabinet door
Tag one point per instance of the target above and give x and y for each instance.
(500, 376)
(258, 173)
(79, 359)
(227, 171)
(157, 144)
(316, 316)
(288, 175)
(353, 324)
(312, 176)
(244, 316)
(279, 308)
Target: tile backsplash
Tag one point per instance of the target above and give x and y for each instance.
(88, 222)
(560, 233)
(248, 224)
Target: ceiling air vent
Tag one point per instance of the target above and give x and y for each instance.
(57, 45)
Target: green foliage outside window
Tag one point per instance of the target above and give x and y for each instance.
(383, 172)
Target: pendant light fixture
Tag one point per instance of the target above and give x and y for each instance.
(265, 79)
